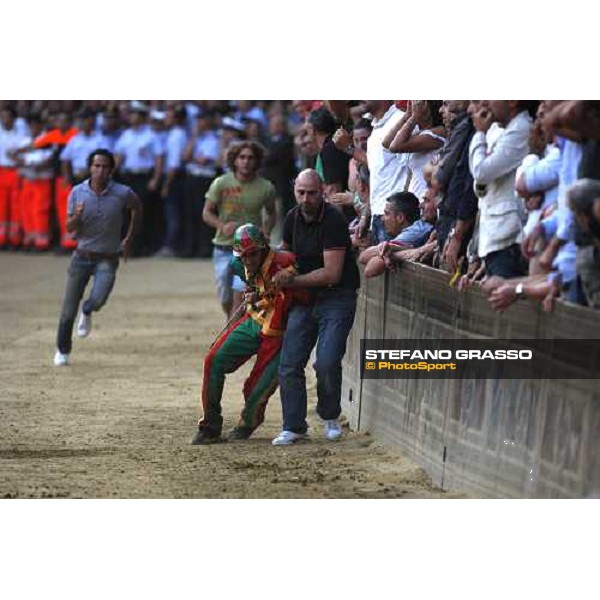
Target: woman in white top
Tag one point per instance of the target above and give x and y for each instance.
(420, 133)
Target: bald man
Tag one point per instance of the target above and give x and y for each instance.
(318, 235)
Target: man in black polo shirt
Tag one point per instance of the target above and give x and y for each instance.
(318, 235)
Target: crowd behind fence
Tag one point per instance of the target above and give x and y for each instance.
(505, 193)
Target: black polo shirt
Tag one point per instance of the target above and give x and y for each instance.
(308, 240)
(335, 164)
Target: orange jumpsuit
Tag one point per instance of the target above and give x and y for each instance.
(10, 201)
(58, 139)
(36, 198)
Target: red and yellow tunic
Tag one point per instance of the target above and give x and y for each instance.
(259, 332)
(273, 304)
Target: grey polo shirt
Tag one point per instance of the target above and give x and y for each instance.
(102, 215)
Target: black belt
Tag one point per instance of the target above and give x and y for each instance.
(222, 247)
(87, 255)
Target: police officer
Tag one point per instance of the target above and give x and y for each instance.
(138, 155)
(75, 154)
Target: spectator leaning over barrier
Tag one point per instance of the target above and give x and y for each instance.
(501, 211)
(537, 183)
(424, 253)
(559, 229)
(583, 118)
(578, 122)
(404, 228)
(584, 201)
(558, 260)
(389, 171)
(317, 234)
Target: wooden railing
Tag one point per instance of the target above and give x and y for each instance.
(489, 437)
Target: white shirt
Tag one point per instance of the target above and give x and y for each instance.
(9, 140)
(175, 145)
(79, 147)
(32, 159)
(501, 211)
(388, 169)
(139, 149)
(417, 161)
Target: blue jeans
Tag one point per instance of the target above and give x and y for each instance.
(226, 281)
(327, 324)
(80, 271)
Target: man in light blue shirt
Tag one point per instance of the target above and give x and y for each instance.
(75, 154)
(111, 127)
(402, 222)
(139, 156)
(201, 154)
(559, 228)
(172, 190)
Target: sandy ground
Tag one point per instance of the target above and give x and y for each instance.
(118, 422)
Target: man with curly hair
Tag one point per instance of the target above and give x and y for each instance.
(233, 199)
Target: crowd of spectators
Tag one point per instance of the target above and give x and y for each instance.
(508, 190)
(168, 152)
(505, 193)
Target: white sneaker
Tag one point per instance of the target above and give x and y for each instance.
(84, 326)
(286, 438)
(60, 359)
(333, 430)
(164, 252)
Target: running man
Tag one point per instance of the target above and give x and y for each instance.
(95, 214)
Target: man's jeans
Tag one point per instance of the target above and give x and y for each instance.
(327, 324)
(226, 281)
(80, 271)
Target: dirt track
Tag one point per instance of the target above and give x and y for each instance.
(118, 421)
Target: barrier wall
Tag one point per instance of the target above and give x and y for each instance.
(490, 438)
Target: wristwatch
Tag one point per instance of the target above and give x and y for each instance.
(519, 291)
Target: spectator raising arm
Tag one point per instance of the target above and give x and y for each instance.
(507, 155)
